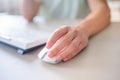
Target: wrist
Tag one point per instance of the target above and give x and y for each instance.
(84, 29)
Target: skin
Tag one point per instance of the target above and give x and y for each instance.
(67, 41)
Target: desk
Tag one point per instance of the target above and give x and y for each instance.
(99, 61)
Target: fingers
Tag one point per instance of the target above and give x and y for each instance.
(71, 51)
(81, 46)
(65, 43)
(61, 44)
(56, 35)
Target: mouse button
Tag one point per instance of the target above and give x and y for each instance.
(43, 53)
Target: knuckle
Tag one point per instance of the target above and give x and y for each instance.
(71, 54)
(75, 31)
(56, 49)
(57, 32)
(62, 56)
(66, 41)
(75, 46)
(69, 57)
(66, 27)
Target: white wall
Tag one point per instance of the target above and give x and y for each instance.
(13, 6)
(10, 6)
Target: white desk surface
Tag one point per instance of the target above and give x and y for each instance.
(99, 61)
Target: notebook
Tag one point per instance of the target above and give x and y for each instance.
(17, 32)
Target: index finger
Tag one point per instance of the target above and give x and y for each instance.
(56, 35)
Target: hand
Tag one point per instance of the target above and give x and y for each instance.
(66, 42)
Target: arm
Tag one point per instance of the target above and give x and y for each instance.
(98, 19)
(30, 9)
(67, 41)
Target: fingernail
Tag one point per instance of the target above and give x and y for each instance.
(47, 46)
(50, 55)
(65, 59)
(59, 58)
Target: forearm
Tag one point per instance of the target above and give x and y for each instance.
(97, 20)
(30, 9)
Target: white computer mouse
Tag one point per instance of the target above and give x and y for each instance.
(43, 55)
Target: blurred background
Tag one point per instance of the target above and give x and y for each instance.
(13, 7)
